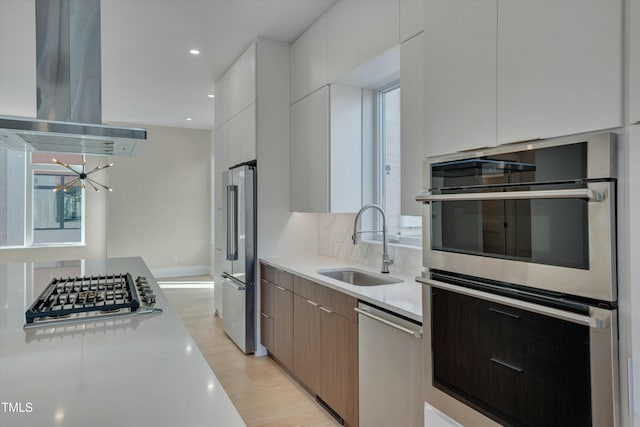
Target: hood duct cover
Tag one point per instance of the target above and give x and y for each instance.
(69, 113)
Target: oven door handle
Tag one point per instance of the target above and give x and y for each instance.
(577, 193)
(595, 320)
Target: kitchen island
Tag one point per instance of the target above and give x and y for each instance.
(140, 370)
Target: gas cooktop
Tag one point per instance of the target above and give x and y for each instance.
(91, 297)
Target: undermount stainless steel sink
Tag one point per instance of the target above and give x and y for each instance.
(359, 278)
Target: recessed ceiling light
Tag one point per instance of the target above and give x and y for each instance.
(194, 52)
(211, 96)
(189, 119)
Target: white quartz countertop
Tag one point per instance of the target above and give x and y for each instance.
(143, 370)
(403, 298)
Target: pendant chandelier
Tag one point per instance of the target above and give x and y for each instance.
(82, 177)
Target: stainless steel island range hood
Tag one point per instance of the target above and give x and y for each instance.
(69, 115)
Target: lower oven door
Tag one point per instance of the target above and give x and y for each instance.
(516, 362)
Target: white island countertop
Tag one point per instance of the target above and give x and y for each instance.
(404, 298)
(142, 370)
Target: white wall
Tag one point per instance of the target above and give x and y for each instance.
(160, 207)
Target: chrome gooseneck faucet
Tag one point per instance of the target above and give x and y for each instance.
(386, 261)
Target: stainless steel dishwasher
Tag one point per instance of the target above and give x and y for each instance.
(390, 369)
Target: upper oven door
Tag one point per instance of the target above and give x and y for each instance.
(524, 219)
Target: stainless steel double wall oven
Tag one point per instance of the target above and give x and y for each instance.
(520, 282)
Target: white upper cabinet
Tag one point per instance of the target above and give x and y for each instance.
(378, 27)
(223, 100)
(411, 129)
(310, 153)
(326, 156)
(634, 62)
(342, 43)
(309, 60)
(236, 89)
(243, 80)
(459, 75)
(242, 136)
(411, 18)
(559, 67)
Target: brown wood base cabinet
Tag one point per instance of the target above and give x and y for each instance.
(306, 336)
(266, 314)
(315, 336)
(276, 312)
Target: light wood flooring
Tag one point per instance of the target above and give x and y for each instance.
(261, 391)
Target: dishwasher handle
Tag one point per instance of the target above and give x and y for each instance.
(415, 334)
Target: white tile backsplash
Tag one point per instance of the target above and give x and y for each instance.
(334, 236)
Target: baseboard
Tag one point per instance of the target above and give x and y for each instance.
(193, 270)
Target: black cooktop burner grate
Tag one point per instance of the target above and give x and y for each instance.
(102, 294)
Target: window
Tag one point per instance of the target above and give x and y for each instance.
(31, 213)
(406, 229)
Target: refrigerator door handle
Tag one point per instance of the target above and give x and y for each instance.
(239, 286)
(232, 222)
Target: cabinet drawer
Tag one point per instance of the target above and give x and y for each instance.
(335, 301)
(267, 272)
(509, 362)
(306, 288)
(340, 303)
(284, 279)
(266, 297)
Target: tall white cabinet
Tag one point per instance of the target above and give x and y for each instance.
(252, 123)
(559, 68)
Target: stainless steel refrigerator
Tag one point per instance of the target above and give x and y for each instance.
(239, 269)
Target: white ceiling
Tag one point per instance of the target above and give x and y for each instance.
(148, 75)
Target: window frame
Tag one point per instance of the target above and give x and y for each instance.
(380, 165)
(31, 170)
